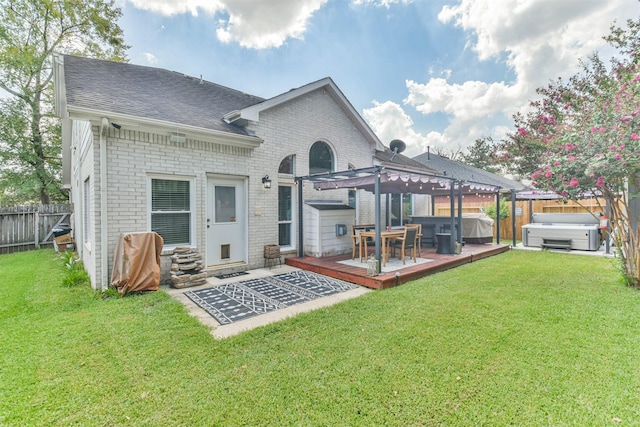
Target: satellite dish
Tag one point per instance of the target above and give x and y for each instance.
(397, 146)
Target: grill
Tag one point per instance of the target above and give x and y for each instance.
(562, 231)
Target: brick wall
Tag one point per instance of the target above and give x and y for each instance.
(290, 128)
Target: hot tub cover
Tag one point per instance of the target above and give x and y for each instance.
(136, 262)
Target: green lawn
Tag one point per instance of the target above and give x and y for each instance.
(523, 338)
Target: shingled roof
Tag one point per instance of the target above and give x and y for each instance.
(398, 160)
(464, 172)
(151, 93)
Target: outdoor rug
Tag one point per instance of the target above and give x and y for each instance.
(232, 302)
(230, 275)
(393, 264)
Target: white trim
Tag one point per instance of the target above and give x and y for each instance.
(334, 155)
(212, 180)
(252, 113)
(144, 124)
(293, 222)
(66, 131)
(104, 226)
(192, 205)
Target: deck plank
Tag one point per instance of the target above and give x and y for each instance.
(329, 266)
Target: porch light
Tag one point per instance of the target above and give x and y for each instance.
(266, 182)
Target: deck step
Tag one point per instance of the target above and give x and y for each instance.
(556, 243)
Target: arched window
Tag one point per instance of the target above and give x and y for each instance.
(320, 158)
(287, 165)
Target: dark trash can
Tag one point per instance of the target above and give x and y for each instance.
(444, 243)
(61, 230)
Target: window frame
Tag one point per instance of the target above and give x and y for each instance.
(404, 197)
(333, 157)
(292, 161)
(192, 206)
(292, 221)
(356, 201)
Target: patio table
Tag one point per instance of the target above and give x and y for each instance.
(384, 236)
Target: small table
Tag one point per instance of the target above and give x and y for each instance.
(384, 235)
(444, 243)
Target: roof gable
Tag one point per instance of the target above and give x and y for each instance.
(252, 112)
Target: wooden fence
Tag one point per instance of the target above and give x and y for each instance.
(24, 228)
(523, 212)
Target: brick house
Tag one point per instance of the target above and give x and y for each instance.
(147, 149)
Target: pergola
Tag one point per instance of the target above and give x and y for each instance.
(388, 180)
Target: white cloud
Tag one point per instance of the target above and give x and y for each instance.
(172, 7)
(540, 39)
(150, 57)
(261, 25)
(251, 24)
(453, 99)
(390, 122)
(381, 3)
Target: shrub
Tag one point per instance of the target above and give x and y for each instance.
(76, 274)
(504, 210)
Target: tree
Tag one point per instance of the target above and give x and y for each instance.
(452, 154)
(482, 154)
(584, 137)
(30, 32)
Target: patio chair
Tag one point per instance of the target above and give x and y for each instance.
(418, 236)
(408, 241)
(355, 242)
(429, 235)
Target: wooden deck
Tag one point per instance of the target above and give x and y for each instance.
(329, 266)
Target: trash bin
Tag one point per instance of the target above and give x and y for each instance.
(61, 230)
(444, 243)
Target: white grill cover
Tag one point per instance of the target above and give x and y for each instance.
(477, 228)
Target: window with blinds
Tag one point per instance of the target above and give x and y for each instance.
(171, 210)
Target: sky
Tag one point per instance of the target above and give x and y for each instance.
(433, 73)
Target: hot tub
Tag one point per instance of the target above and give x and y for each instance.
(567, 231)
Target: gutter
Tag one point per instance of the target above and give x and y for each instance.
(145, 124)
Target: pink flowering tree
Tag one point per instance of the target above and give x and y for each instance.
(583, 138)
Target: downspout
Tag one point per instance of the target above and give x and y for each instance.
(300, 219)
(104, 259)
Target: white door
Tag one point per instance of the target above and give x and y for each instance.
(226, 220)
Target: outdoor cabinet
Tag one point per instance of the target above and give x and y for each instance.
(324, 222)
